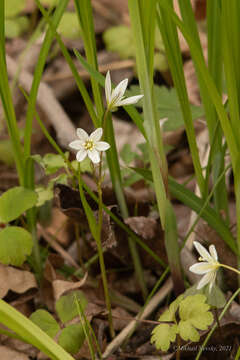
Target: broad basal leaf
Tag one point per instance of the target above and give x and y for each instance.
(168, 106)
(49, 2)
(15, 202)
(163, 335)
(15, 244)
(14, 7)
(72, 338)
(194, 313)
(69, 26)
(51, 162)
(66, 306)
(119, 39)
(187, 331)
(46, 322)
(169, 315)
(215, 297)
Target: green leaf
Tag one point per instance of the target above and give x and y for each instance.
(126, 154)
(44, 194)
(51, 162)
(72, 338)
(31, 333)
(193, 312)
(163, 335)
(169, 315)
(86, 165)
(120, 39)
(160, 62)
(215, 297)
(6, 152)
(49, 3)
(168, 106)
(197, 204)
(66, 306)
(15, 244)
(14, 7)
(14, 202)
(46, 322)
(69, 26)
(187, 331)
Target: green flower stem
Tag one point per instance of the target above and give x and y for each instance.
(85, 16)
(230, 268)
(73, 175)
(100, 252)
(115, 173)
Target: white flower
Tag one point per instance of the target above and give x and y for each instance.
(89, 145)
(115, 97)
(208, 266)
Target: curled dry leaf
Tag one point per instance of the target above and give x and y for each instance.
(60, 287)
(143, 226)
(16, 280)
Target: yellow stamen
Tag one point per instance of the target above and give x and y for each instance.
(89, 145)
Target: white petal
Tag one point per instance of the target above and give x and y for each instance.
(94, 156)
(212, 281)
(108, 87)
(96, 135)
(102, 146)
(130, 100)
(81, 155)
(82, 135)
(205, 280)
(202, 251)
(119, 91)
(213, 252)
(76, 144)
(202, 268)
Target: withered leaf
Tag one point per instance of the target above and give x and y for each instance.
(16, 280)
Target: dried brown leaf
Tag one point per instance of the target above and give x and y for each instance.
(60, 287)
(16, 280)
(9, 354)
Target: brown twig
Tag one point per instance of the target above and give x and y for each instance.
(116, 65)
(151, 306)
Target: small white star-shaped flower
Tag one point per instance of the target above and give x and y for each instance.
(208, 266)
(89, 145)
(116, 97)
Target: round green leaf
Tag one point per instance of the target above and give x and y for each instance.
(14, 202)
(16, 26)
(66, 306)
(46, 322)
(12, 29)
(120, 39)
(163, 335)
(49, 3)
(14, 7)
(72, 338)
(6, 152)
(69, 26)
(15, 244)
(187, 331)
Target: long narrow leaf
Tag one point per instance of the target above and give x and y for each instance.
(31, 333)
